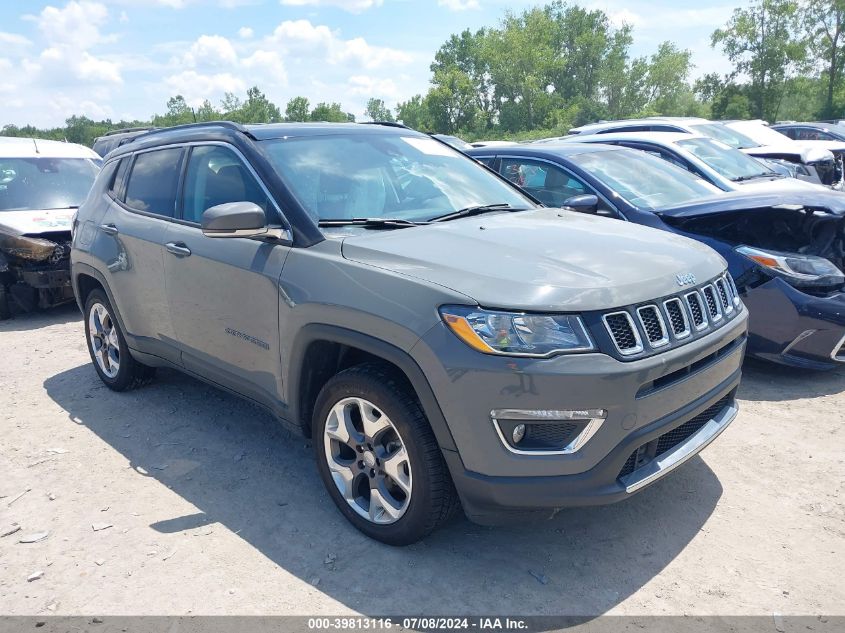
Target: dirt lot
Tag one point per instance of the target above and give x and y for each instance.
(214, 509)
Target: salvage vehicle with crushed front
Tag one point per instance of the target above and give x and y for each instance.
(444, 339)
(41, 185)
(785, 248)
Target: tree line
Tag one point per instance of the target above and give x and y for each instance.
(548, 68)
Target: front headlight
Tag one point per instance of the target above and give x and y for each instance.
(516, 333)
(795, 268)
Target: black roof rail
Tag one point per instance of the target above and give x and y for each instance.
(125, 130)
(386, 124)
(229, 125)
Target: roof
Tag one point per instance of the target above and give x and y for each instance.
(227, 130)
(545, 149)
(659, 138)
(18, 147)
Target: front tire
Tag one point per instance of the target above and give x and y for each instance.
(108, 349)
(378, 457)
(5, 308)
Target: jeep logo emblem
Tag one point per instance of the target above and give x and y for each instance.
(685, 280)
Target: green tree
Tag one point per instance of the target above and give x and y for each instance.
(666, 82)
(297, 109)
(377, 111)
(332, 113)
(824, 21)
(207, 112)
(415, 114)
(258, 108)
(761, 43)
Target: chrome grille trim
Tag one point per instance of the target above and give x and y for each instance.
(675, 301)
(724, 295)
(734, 290)
(630, 350)
(702, 309)
(663, 339)
(712, 302)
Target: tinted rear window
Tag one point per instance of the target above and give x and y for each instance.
(153, 182)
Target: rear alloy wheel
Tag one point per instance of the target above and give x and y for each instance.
(108, 349)
(378, 456)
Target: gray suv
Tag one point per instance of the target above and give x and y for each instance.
(443, 339)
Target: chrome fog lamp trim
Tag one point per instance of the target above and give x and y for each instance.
(838, 353)
(594, 417)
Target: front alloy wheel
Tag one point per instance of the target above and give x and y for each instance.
(378, 457)
(368, 460)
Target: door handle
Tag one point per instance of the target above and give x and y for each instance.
(108, 229)
(178, 248)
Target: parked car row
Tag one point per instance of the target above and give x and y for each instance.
(562, 328)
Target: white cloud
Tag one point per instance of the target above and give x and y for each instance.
(367, 86)
(459, 5)
(353, 6)
(13, 41)
(210, 50)
(301, 38)
(268, 63)
(196, 87)
(77, 24)
(622, 17)
(245, 32)
(124, 17)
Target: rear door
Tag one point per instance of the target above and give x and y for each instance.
(223, 292)
(130, 237)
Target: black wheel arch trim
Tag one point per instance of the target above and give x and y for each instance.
(377, 347)
(78, 269)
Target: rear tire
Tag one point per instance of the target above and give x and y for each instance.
(378, 457)
(107, 346)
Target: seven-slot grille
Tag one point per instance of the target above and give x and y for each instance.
(674, 319)
(652, 323)
(624, 332)
(677, 317)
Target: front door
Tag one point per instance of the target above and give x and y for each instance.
(224, 292)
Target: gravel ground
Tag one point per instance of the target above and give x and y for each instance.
(178, 498)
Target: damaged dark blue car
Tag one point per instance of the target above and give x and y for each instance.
(785, 249)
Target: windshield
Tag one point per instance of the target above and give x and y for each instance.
(643, 180)
(763, 134)
(38, 184)
(725, 134)
(728, 162)
(345, 176)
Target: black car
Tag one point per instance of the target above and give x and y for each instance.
(817, 131)
(786, 255)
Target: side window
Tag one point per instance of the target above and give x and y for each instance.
(153, 182)
(791, 132)
(216, 175)
(485, 160)
(549, 184)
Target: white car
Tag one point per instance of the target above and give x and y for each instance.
(812, 152)
(41, 185)
(813, 164)
(713, 161)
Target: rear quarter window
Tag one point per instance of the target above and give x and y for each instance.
(153, 181)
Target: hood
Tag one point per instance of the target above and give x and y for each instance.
(823, 200)
(36, 222)
(796, 149)
(763, 185)
(543, 259)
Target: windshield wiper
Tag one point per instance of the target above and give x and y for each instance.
(755, 176)
(372, 222)
(477, 209)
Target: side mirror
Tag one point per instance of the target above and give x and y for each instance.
(586, 203)
(235, 219)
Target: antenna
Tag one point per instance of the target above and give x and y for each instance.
(36, 146)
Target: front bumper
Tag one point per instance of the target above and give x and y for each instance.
(492, 500)
(642, 400)
(790, 327)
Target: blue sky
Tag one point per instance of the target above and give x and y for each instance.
(124, 58)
